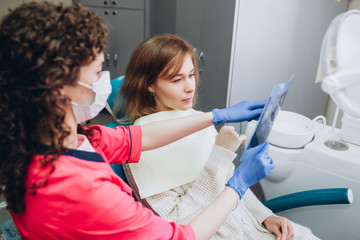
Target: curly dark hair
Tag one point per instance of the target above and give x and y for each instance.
(42, 47)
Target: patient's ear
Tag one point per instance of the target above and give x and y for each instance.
(151, 89)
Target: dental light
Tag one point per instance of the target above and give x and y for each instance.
(340, 70)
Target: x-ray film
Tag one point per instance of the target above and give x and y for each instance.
(269, 113)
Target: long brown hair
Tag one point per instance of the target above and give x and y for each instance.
(158, 56)
(42, 49)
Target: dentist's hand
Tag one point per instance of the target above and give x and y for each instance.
(256, 165)
(243, 111)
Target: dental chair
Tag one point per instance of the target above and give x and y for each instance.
(282, 203)
(115, 84)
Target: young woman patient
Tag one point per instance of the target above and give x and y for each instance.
(180, 180)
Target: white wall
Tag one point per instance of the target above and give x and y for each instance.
(275, 39)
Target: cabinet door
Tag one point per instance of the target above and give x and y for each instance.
(96, 3)
(105, 13)
(127, 31)
(131, 4)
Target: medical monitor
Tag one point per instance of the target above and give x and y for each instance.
(268, 115)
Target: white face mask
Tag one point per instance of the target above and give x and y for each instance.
(102, 90)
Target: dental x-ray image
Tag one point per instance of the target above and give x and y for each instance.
(268, 116)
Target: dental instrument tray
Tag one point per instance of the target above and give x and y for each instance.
(268, 115)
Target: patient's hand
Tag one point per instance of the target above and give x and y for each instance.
(228, 138)
(280, 226)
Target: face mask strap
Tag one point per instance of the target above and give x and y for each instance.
(74, 103)
(84, 85)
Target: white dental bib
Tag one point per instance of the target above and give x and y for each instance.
(175, 164)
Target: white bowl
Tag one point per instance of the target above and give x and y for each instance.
(291, 130)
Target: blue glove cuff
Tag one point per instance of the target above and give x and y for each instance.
(239, 188)
(217, 116)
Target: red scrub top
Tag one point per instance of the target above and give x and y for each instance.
(84, 199)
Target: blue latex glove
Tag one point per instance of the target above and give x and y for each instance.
(243, 111)
(256, 165)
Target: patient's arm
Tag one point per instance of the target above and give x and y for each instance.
(185, 202)
(258, 210)
(209, 221)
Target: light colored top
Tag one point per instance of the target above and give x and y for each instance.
(84, 144)
(175, 164)
(183, 203)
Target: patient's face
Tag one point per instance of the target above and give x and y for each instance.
(176, 93)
